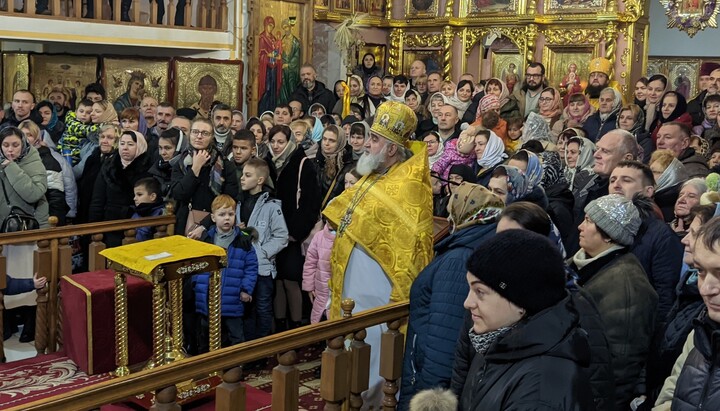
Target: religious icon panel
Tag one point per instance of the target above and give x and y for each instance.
(70, 72)
(127, 81)
(199, 82)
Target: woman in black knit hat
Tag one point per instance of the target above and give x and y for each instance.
(529, 351)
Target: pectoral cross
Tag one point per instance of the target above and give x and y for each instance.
(345, 222)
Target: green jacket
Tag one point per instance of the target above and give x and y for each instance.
(25, 185)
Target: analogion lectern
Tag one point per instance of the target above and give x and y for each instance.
(164, 261)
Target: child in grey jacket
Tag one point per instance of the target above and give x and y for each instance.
(258, 210)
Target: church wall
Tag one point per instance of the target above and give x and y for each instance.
(673, 42)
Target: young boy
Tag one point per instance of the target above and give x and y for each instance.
(514, 132)
(238, 278)
(258, 210)
(148, 203)
(77, 127)
(243, 148)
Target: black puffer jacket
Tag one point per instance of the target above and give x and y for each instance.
(539, 365)
(688, 305)
(698, 386)
(560, 209)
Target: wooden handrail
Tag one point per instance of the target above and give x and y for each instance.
(84, 229)
(120, 388)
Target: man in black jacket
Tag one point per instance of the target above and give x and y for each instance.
(312, 91)
(697, 385)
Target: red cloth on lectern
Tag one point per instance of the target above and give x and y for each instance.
(88, 302)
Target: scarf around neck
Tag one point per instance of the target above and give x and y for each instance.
(281, 159)
(482, 342)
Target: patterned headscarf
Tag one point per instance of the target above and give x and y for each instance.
(588, 110)
(504, 92)
(552, 169)
(534, 170)
(556, 104)
(472, 204)
(535, 128)
(519, 185)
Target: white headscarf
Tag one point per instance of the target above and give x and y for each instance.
(494, 152)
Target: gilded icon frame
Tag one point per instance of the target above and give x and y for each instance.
(690, 68)
(412, 10)
(427, 56)
(228, 75)
(15, 73)
(557, 59)
(691, 18)
(117, 70)
(475, 8)
(73, 71)
(574, 6)
(377, 50)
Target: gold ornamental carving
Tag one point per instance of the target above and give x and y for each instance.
(422, 40)
(633, 11)
(449, 7)
(531, 35)
(448, 37)
(611, 33)
(396, 37)
(472, 36)
(572, 37)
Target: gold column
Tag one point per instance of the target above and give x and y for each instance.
(396, 38)
(159, 326)
(175, 289)
(610, 41)
(214, 310)
(121, 326)
(448, 37)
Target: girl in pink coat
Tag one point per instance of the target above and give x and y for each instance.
(316, 271)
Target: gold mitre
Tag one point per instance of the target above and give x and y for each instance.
(600, 65)
(395, 121)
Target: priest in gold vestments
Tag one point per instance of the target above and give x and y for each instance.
(384, 226)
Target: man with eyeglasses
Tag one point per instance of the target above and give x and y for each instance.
(599, 79)
(528, 96)
(296, 110)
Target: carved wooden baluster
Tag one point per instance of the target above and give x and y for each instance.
(129, 237)
(55, 8)
(160, 231)
(223, 15)
(360, 374)
(230, 395)
(136, 11)
(171, 10)
(77, 9)
(29, 7)
(95, 260)
(153, 12)
(202, 21)
(43, 316)
(64, 269)
(3, 284)
(98, 5)
(333, 378)
(188, 10)
(170, 209)
(391, 356)
(285, 383)
(213, 24)
(166, 399)
(117, 10)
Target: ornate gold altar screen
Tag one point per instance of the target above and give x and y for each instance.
(484, 37)
(164, 261)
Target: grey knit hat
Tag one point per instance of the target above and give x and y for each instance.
(617, 216)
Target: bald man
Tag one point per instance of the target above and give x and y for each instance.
(417, 69)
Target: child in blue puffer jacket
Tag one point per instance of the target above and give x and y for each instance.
(237, 280)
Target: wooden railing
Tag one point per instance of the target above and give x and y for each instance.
(344, 375)
(53, 259)
(205, 14)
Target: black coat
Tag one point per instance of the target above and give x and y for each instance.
(539, 365)
(595, 128)
(560, 209)
(320, 94)
(698, 386)
(670, 340)
(300, 220)
(666, 199)
(86, 183)
(695, 108)
(114, 192)
(187, 189)
(695, 164)
(648, 145)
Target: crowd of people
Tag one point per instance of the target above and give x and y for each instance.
(579, 273)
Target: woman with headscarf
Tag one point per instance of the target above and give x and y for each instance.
(617, 283)
(436, 295)
(105, 148)
(632, 118)
(672, 107)
(462, 97)
(333, 160)
(296, 186)
(372, 98)
(657, 86)
(368, 68)
(536, 128)
(489, 153)
(50, 122)
(435, 147)
(579, 159)
(355, 93)
(114, 189)
(670, 174)
(550, 105)
(508, 105)
(574, 115)
(604, 119)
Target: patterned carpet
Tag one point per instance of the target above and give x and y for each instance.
(36, 378)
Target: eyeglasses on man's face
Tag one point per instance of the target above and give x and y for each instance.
(528, 75)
